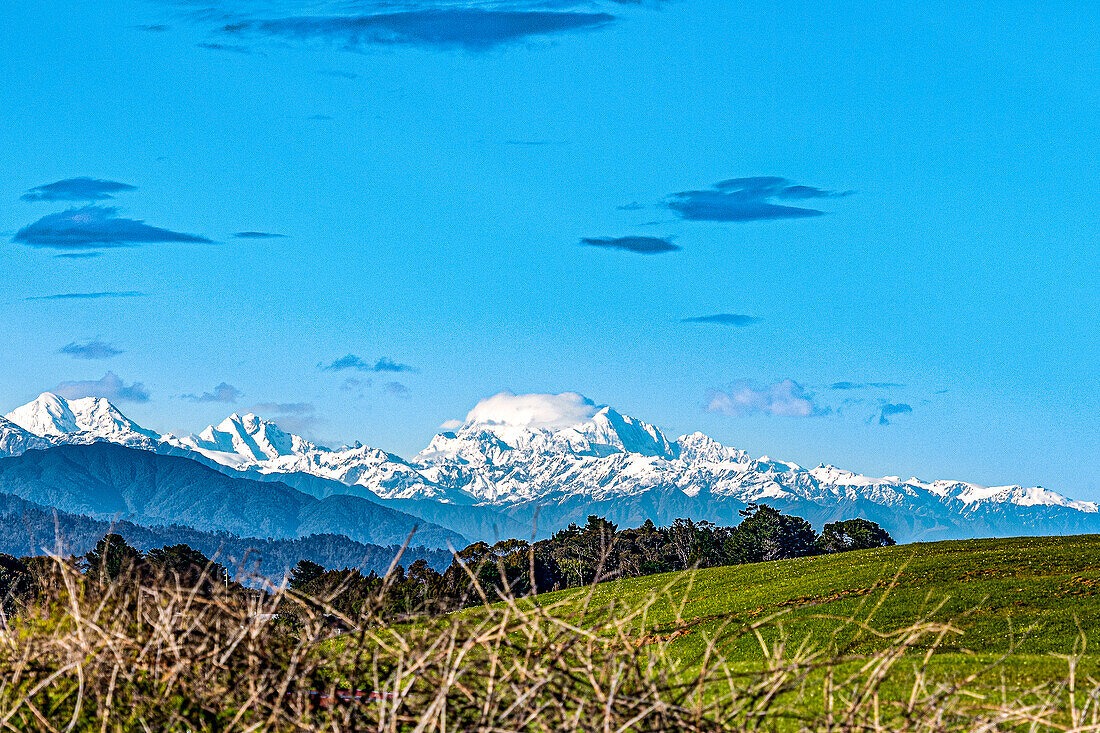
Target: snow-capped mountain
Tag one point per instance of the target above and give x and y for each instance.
(250, 443)
(14, 440)
(83, 420)
(248, 440)
(561, 457)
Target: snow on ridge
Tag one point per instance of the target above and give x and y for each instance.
(516, 448)
(91, 418)
(15, 440)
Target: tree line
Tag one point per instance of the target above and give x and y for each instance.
(581, 555)
(481, 573)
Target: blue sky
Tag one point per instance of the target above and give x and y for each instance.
(704, 213)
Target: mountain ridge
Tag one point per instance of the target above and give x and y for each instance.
(103, 480)
(519, 457)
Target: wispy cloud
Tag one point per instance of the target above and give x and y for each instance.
(397, 389)
(224, 392)
(297, 417)
(110, 386)
(386, 364)
(95, 227)
(257, 235)
(638, 245)
(355, 384)
(90, 349)
(89, 296)
(351, 361)
(888, 410)
(76, 189)
(78, 255)
(724, 319)
(746, 397)
(865, 385)
(230, 47)
(472, 28)
(284, 408)
(748, 199)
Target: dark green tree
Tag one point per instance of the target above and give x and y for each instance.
(583, 555)
(304, 573)
(189, 566)
(111, 557)
(423, 586)
(767, 534)
(853, 534)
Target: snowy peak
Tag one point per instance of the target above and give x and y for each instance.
(700, 448)
(87, 418)
(597, 432)
(47, 415)
(99, 417)
(251, 439)
(545, 448)
(973, 495)
(14, 440)
(611, 429)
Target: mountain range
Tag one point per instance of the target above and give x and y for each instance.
(519, 465)
(27, 528)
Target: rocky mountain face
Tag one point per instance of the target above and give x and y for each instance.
(523, 473)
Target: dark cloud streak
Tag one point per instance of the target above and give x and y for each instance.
(258, 235)
(229, 47)
(458, 27)
(78, 255)
(94, 227)
(748, 199)
(638, 245)
(90, 296)
(76, 189)
(724, 319)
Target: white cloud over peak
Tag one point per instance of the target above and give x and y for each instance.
(533, 410)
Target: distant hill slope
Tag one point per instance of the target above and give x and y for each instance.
(994, 589)
(108, 481)
(27, 528)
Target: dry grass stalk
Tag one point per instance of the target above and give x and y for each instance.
(149, 653)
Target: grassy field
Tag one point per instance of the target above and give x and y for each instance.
(1032, 597)
(983, 635)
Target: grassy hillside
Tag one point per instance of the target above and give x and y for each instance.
(1033, 597)
(953, 636)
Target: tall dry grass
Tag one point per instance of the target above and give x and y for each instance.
(146, 653)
